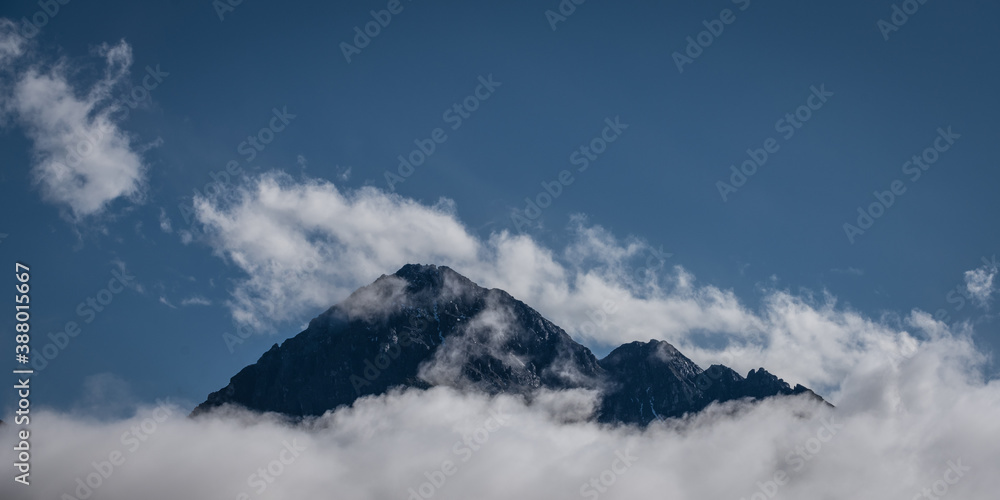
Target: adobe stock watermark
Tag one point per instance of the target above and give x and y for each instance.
(899, 16)
(267, 474)
(49, 10)
(260, 311)
(907, 350)
(139, 94)
(551, 190)
(132, 439)
(243, 329)
(697, 44)
(224, 178)
(565, 9)
(914, 168)
(88, 310)
(456, 115)
(608, 477)
(597, 317)
(796, 460)
(787, 126)
(372, 29)
(959, 295)
(951, 476)
(223, 7)
(463, 449)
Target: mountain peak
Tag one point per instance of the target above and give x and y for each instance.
(427, 325)
(638, 351)
(420, 270)
(434, 278)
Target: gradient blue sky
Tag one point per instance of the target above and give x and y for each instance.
(656, 182)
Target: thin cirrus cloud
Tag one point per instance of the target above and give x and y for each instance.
(303, 245)
(82, 160)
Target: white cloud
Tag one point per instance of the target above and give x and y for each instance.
(304, 246)
(165, 224)
(164, 301)
(82, 159)
(196, 301)
(899, 429)
(979, 283)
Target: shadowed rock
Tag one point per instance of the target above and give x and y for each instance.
(427, 325)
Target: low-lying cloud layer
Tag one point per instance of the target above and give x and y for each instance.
(917, 427)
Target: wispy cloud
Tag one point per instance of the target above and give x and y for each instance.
(196, 301)
(11, 43)
(850, 270)
(979, 283)
(344, 173)
(165, 224)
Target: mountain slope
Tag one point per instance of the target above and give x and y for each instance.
(427, 325)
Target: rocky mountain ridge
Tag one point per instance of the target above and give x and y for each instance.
(427, 325)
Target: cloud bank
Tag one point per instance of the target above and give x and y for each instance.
(922, 427)
(915, 416)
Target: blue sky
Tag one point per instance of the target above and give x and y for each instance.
(345, 123)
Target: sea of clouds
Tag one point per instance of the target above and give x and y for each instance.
(915, 415)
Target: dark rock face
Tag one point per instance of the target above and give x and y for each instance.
(655, 381)
(427, 325)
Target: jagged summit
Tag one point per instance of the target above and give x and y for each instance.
(659, 349)
(426, 276)
(421, 274)
(428, 325)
